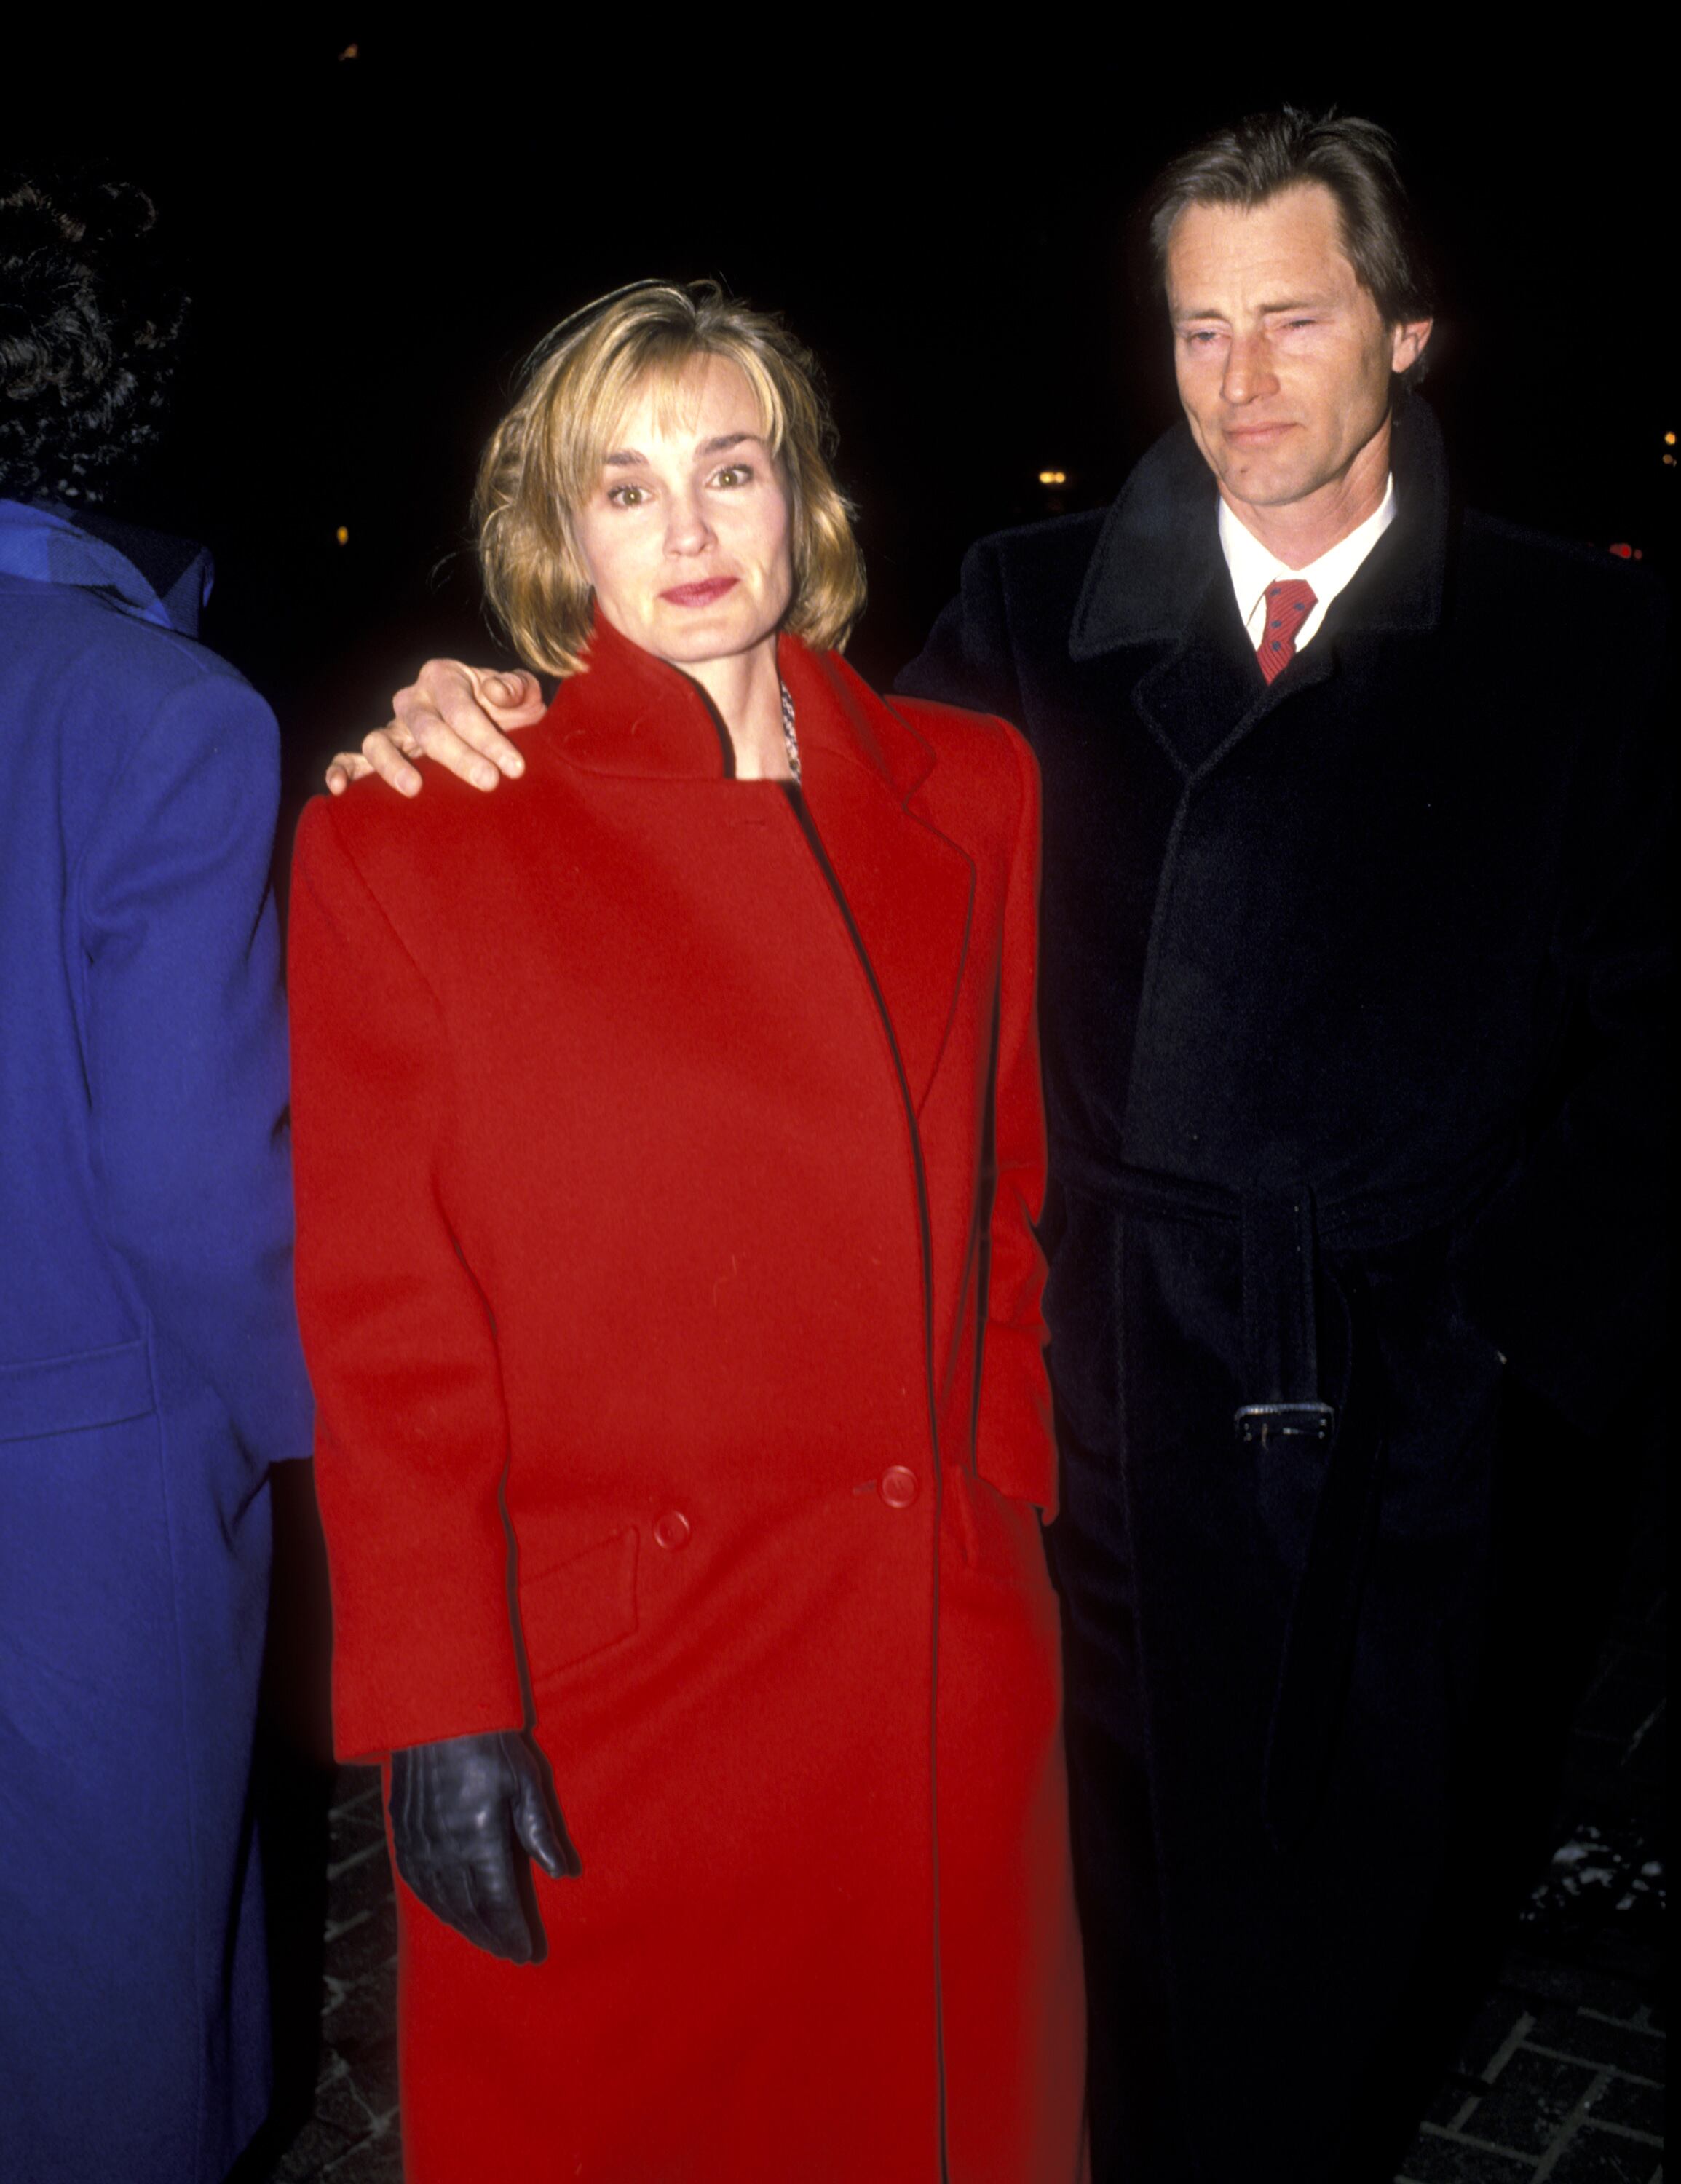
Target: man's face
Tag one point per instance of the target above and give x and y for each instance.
(1283, 362)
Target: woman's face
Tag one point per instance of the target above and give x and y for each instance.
(686, 535)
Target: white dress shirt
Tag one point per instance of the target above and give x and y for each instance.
(1254, 567)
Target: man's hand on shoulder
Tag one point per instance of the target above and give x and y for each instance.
(451, 713)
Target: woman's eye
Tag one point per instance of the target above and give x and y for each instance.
(734, 474)
(626, 496)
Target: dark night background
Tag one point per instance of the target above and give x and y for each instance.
(373, 242)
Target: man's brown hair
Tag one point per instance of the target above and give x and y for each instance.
(1355, 160)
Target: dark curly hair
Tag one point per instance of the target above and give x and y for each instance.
(89, 327)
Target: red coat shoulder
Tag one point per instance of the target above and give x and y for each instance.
(391, 839)
(979, 759)
(976, 767)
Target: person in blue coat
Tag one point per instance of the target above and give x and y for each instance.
(149, 1367)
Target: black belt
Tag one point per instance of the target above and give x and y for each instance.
(1311, 1453)
(1352, 1221)
(1281, 1349)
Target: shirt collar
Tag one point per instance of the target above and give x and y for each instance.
(1253, 566)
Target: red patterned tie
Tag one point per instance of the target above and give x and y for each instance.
(1288, 607)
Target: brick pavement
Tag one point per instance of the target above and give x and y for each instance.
(1558, 2079)
(349, 2135)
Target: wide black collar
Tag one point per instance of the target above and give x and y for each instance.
(1159, 551)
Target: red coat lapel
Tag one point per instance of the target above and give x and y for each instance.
(632, 716)
(910, 889)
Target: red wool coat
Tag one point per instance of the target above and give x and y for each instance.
(674, 1322)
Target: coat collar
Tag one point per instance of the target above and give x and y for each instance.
(626, 714)
(1159, 551)
(632, 715)
(908, 888)
(145, 574)
(839, 717)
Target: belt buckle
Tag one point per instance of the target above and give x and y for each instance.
(1265, 1423)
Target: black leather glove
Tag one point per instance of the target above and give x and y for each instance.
(461, 1812)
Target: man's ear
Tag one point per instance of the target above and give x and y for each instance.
(1408, 340)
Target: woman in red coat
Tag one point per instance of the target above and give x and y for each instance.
(683, 1428)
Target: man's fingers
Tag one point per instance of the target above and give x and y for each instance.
(443, 717)
(346, 768)
(462, 726)
(464, 741)
(382, 754)
(455, 754)
(456, 715)
(516, 697)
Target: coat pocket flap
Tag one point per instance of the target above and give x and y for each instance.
(579, 1606)
(69, 1394)
(1001, 1537)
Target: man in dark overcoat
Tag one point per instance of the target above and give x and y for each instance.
(1349, 971)
(1350, 953)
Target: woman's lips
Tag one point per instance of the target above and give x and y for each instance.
(701, 594)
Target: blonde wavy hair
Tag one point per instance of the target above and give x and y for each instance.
(544, 460)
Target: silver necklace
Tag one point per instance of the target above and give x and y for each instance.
(790, 742)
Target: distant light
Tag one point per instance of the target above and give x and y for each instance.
(343, 535)
(1053, 477)
(1630, 553)
(1669, 462)
(1669, 439)
(349, 54)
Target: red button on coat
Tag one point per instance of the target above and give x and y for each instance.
(672, 1529)
(898, 1486)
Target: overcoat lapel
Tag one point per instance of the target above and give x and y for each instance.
(1159, 578)
(909, 888)
(1208, 693)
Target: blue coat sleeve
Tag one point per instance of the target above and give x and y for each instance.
(185, 1050)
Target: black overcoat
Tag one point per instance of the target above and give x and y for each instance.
(1349, 991)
